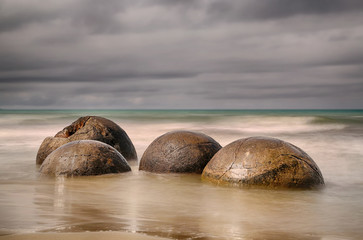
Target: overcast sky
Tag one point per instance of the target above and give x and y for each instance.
(172, 54)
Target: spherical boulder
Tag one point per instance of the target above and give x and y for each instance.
(48, 145)
(262, 161)
(89, 128)
(83, 158)
(179, 152)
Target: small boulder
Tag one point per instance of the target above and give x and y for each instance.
(89, 128)
(179, 152)
(262, 161)
(83, 158)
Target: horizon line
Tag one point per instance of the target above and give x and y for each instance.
(181, 109)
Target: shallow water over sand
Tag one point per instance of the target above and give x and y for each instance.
(181, 206)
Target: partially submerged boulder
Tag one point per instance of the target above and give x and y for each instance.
(48, 145)
(83, 158)
(90, 128)
(179, 152)
(262, 161)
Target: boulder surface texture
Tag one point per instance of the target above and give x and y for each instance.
(83, 158)
(89, 128)
(179, 152)
(262, 161)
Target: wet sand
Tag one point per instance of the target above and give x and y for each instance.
(81, 236)
(182, 206)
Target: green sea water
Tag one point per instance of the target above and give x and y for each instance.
(181, 206)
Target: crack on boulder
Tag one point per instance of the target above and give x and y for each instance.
(315, 169)
(189, 145)
(271, 174)
(235, 158)
(73, 128)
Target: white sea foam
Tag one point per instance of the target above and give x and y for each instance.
(274, 125)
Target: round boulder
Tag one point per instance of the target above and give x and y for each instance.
(84, 158)
(179, 152)
(262, 161)
(89, 128)
(48, 145)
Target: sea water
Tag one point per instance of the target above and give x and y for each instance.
(181, 206)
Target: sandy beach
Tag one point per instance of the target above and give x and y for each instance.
(80, 236)
(142, 205)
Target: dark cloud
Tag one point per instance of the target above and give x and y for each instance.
(288, 91)
(275, 9)
(12, 18)
(111, 89)
(98, 17)
(9, 23)
(10, 62)
(91, 76)
(353, 58)
(181, 54)
(89, 15)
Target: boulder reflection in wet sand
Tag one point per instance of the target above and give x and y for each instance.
(90, 128)
(84, 157)
(179, 152)
(262, 161)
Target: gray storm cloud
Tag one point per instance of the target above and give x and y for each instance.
(181, 54)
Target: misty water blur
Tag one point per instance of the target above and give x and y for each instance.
(181, 206)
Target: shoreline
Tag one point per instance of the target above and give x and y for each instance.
(111, 235)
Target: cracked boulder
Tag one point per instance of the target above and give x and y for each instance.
(262, 161)
(179, 152)
(84, 158)
(89, 128)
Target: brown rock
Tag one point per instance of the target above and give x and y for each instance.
(265, 162)
(48, 145)
(90, 128)
(179, 152)
(83, 158)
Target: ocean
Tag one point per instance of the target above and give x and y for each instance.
(181, 206)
